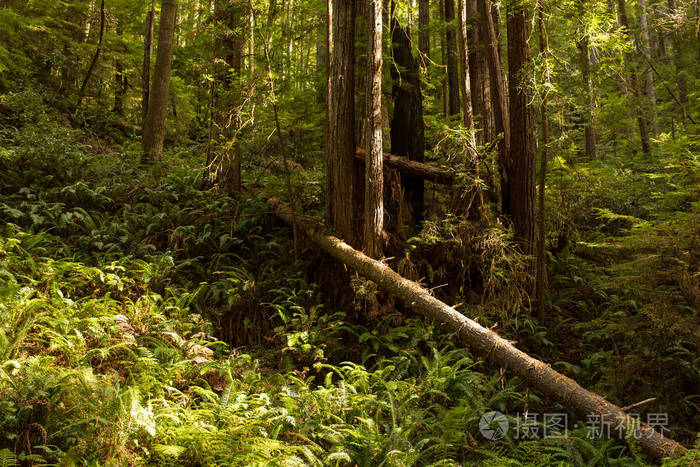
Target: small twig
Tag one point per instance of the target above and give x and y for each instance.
(663, 81)
(283, 149)
(637, 404)
(437, 287)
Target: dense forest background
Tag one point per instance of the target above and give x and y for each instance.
(171, 172)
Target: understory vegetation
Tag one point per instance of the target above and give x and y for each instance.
(349, 233)
(144, 320)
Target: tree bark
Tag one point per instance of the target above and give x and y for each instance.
(464, 77)
(497, 93)
(452, 59)
(589, 126)
(340, 176)
(477, 69)
(471, 155)
(677, 45)
(424, 30)
(634, 85)
(697, 26)
(322, 62)
(362, 82)
(648, 72)
(541, 272)
(95, 57)
(407, 138)
(224, 169)
(120, 81)
(412, 169)
(537, 374)
(520, 203)
(154, 126)
(443, 56)
(374, 170)
(251, 40)
(146, 72)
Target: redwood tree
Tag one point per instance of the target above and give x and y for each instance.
(407, 138)
(374, 171)
(519, 202)
(224, 168)
(154, 126)
(146, 71)
(584, 52)
(497, 91)
(477, 68)
(424, 29)
(452, 57)
(642, 122)
(340, 136)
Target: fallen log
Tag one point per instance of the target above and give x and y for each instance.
(537, 374)
(413, 168)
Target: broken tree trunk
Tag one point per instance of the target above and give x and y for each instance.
(536, 373)
(412, 168)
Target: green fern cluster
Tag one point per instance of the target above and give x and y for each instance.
(144, 321)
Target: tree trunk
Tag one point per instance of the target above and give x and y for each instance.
(224, 170)
(340, 176)
(697, 26)
(471, 155)
(374, 170)
(451, 52)
(464, 77)
(520, 203)
(121, 83)
(361, 78)
(497, 94)
(678, 62)
(537, 374)
(477, 66)
(588, 127)
(443, 56)
(95, 57)
(407, 138)
(634, 85)
(251, 40)
(541, 273)
(648, 72)
(146, 72)
(424, 30)
(154, 126)
(322, 64)
(412, 168)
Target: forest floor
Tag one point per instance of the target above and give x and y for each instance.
(144, 320)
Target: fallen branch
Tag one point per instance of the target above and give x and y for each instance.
(413, 168)
(536, 373)
(124, 125)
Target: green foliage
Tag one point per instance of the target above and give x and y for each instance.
(147, 320)
(137, 314)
